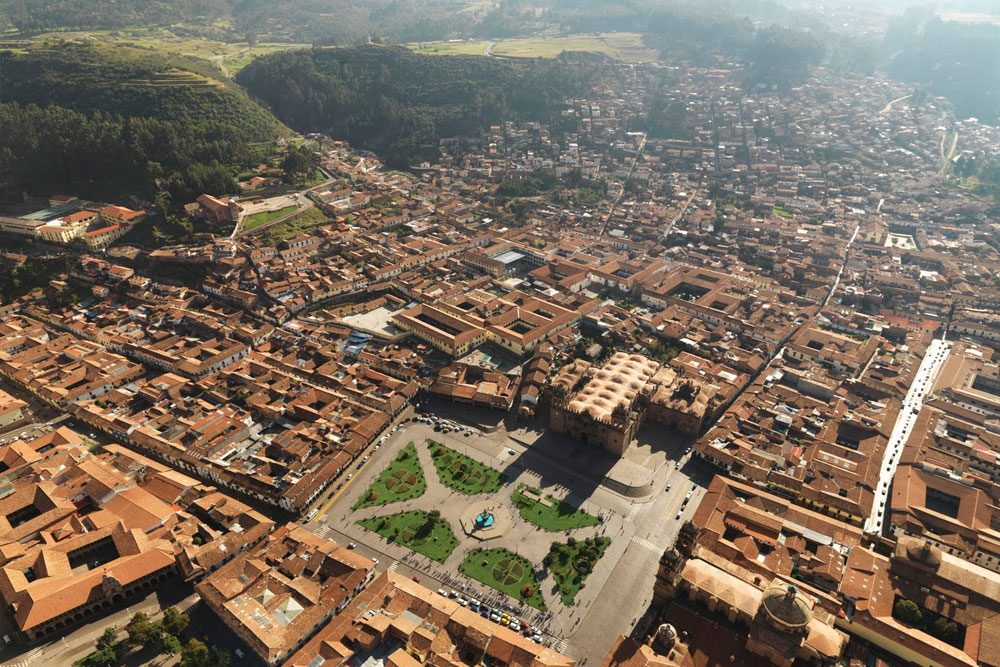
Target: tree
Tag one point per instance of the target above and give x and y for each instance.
(106, 653)
(139, 629)
(907, 611)
(174, 622)
(169, 644)
(299, 162)
(945, 629)
(196, 654)
(527, 591)
(108, 638)
(102, 657)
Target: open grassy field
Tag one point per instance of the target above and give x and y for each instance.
(403, 479)
(451, 48)
(506, 572)
(229, 57)
(258, 219)
(624, 46)
(418, 531)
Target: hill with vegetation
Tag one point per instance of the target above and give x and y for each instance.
(318, 21)
(960, 61)
(400, 104)
(99, 120)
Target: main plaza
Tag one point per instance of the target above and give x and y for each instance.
(561, 535)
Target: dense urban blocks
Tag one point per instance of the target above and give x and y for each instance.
(506, 572)
(550, 513)
(462, 473)
(424, 532)
(403, 479)
(571, 562)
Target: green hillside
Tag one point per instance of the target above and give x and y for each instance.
(103, 119)
(399, 103)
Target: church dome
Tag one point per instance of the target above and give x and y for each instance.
(925, 553)
(785, 607)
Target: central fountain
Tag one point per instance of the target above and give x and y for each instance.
(485, 522)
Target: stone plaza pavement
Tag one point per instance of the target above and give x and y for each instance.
(639, 530)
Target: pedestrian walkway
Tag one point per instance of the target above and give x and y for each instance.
(27, 659)
(394, 566)
(643, 542)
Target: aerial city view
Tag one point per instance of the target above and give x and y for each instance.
(513, 333)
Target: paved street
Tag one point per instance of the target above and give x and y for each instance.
(618, 590)
(930, 366)
(63, 651)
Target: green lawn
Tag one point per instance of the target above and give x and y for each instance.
(403, 479)
(550, 513)
(462, 473)
(571, 562)
(506, 572)
(417, 531)
(257, 219)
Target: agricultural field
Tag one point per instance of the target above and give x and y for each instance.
(506, 572)
(403, 479)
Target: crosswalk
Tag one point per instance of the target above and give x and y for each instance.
(26, 659)
(323, 530)
(643, 542)
(559, 646)
(395, 564)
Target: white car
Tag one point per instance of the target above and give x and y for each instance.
(312, 513)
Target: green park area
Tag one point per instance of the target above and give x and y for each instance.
(402, 480)
(550, 513)
(462, 473)
(506, 572)
(424, 532)
(259, 219)
(571, 562)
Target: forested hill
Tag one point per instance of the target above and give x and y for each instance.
(399, 104)
(99, 120)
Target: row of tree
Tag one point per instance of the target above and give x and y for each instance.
(162, 636)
